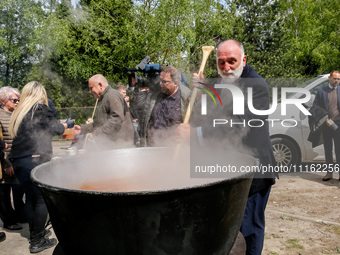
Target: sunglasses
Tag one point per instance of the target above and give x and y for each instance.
(15, 100)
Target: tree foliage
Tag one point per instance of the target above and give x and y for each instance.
(312, 33)
(18, 21)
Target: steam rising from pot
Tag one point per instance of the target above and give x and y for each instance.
(132, 170)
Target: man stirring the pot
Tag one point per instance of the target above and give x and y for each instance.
(232, 67)
(112, 126)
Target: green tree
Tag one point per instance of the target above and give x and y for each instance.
(263, 37)
(173, 32)
(18, 20)
(78, 43)
(312, 32)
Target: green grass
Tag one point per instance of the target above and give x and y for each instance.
(275, 235)
(294, 244)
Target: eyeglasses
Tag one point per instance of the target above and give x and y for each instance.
(165, 82)
(15, 100)
(336, 79)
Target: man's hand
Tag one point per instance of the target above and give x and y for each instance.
(9, 171)
(77, 130)
(183, 133)
(197, 79)
(198, 75)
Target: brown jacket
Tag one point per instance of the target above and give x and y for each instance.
(5, 117)
(112, 124)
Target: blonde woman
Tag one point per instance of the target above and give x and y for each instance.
(32, 127)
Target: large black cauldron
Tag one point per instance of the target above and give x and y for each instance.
(203, 217)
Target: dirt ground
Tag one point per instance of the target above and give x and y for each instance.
(302, 215)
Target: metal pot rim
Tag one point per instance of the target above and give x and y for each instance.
(50, 187)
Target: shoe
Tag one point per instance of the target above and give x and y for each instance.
(2, 236)
(47, 233)
(43, 244)
(15, 226)
(327, 177)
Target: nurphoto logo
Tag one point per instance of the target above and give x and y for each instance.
(238, 106)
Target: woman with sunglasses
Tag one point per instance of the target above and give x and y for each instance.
(9, 98)
(32, 127)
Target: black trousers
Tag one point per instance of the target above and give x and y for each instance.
(35, 207)
(330, 136)
(7, 214)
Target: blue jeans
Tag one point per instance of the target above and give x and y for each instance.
(254, 221)
(35, 207)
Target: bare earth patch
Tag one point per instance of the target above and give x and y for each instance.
(303, 215)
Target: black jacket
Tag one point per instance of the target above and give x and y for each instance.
(35, 133)
(254, 138)
(258, 138)
(316, 120)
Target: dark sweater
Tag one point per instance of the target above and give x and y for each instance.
(34, 136)
(112, 123)
(258, 138)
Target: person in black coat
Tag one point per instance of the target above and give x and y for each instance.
(233, 69)
(32, 127)
(328, 98)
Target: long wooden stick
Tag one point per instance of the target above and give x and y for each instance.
(95, 106)
(206, 52)
(87, 135)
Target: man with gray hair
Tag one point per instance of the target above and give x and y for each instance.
(233, 69)
(164, 110)
(112, 125)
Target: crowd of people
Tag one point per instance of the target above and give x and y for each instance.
(28, 125)
(153, 117)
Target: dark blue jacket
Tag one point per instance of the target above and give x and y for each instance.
(321, 98)
(258, 137)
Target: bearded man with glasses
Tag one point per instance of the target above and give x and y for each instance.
(164, 109)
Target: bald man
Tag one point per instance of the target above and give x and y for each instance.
(231, 64)
(112, 126)
(233, 69)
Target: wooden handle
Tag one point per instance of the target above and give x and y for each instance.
(94, 110)
(206, 52)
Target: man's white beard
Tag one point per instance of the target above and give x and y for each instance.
(232, 74)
